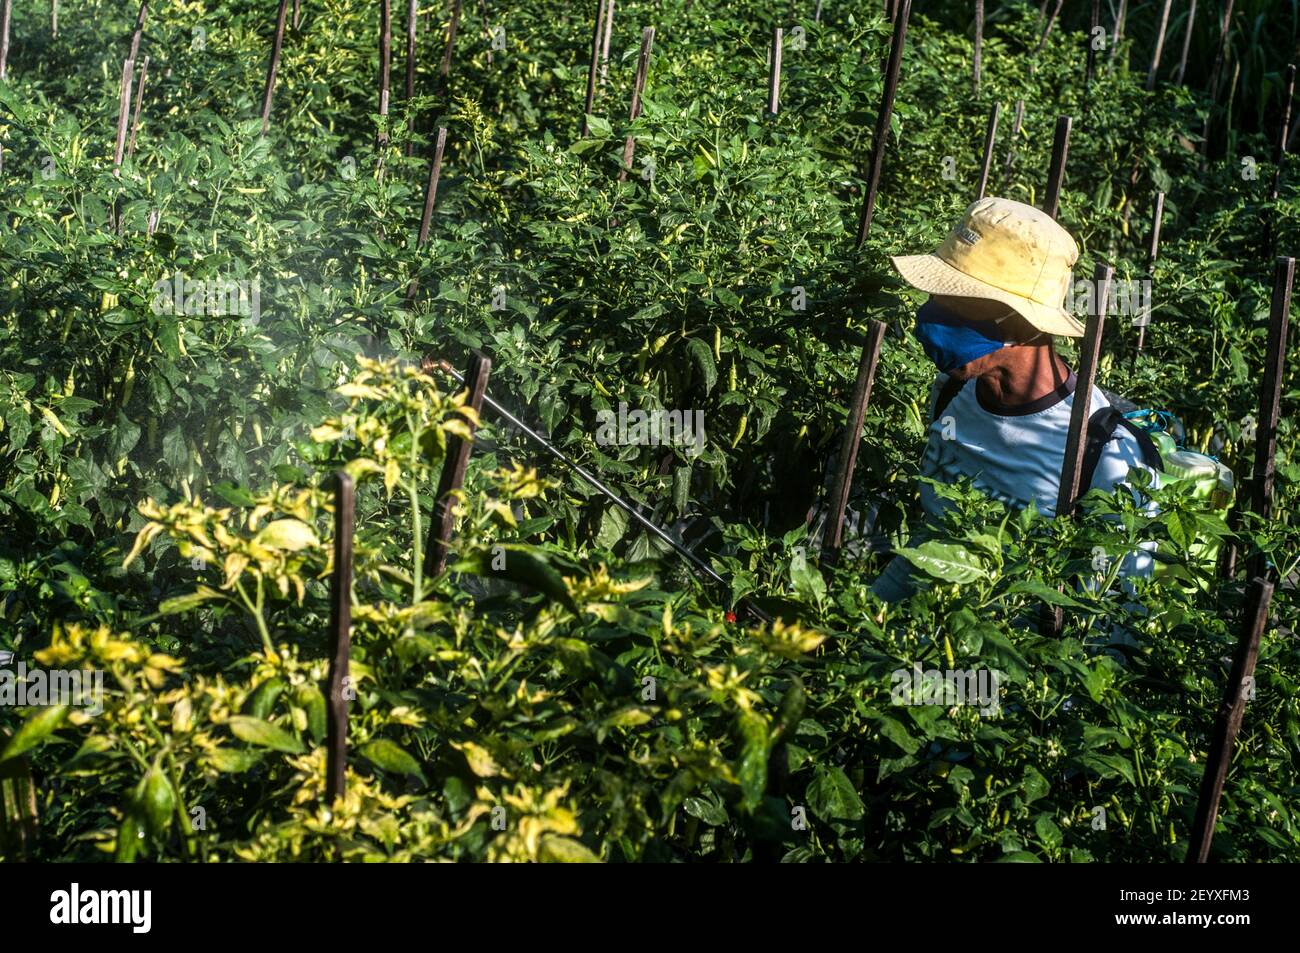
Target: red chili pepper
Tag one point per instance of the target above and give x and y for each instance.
(731, 617)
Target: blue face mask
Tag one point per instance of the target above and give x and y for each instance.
(951, 341)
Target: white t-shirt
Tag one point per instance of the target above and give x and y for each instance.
(1013, 454)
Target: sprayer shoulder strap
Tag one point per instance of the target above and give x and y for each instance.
(950, 389)
(1101, 430)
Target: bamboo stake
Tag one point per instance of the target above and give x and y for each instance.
(591, 70)
(453, 471)
(990, 134)
(1227, 723)
(1187, 44)
(483, 18)
(1279, 148)
(6, 10)
(1081, 403)
(1160, 45)
(1094, 21)
(832, 536)
(336, 742)
(452, 27)
(273, 67)
(642, 70)
(1221, 52)
(139, 97)
(1270, 402)
(1047, 31)
(412, 11)
(817, 14)
(1153, 253)
(54, 18)
(1015, 134)
(774, 73)
(604, 43)
(297, 14)
(1056, 174)
(123, 113)
(1120, 18)
(881, 135)
(412, 8)
(139, 29)
(1080, 411)
(430, 197)
(431, 190)
(979, 43)
(385, 67)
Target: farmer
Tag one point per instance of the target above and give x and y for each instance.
(1000, 406)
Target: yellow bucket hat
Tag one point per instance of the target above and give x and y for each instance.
(1004, 251)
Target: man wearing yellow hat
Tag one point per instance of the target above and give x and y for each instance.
(1002, 400)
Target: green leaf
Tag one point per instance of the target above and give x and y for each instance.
(39, 725)
(565, 850)
(178, 604)
(264, 734)
(715, 815)
(287, 534)
(522, 564)
(702, 355)
(832, 797)
(752, 771)
(947, 561)
(391, 756)
(232, 760)
(1044, 593)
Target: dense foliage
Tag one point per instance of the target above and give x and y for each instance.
(164, 476)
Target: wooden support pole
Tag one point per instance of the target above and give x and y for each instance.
(1016, 126)
(273, 67)
(453, 471)
(412, 10)
(604, 43)
(1187, 44)
(1056, 174)
(385, 68)
(431, 190)
(596, 32)
(1279, 148)
(139, 97)
(1153, 252)
(139, 30)
(430, 198)
(54, 19)
(880, 139)
(1081, 402)
(832, 534)
(638, 88)
(817, 14)
(1081, 409)
(452, 27)
(123, 113)
(1120, 18)
(1220, 53)
(986, 164)
(774, 73)
(1160, 45)
(1227, 722)
(1047, 30)
(297, 13)
(1270, 402)
(340, 684)
(412, 20)
(979, 44)
(6, 14)
(1094, 21)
